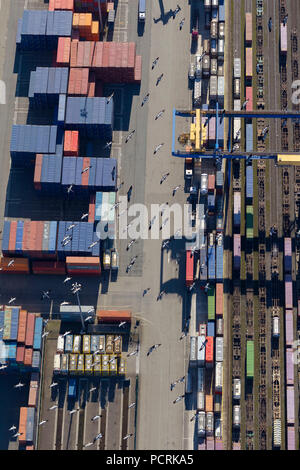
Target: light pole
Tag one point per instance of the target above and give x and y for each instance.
(76, 287)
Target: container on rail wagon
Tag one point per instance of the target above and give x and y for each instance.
(56, 364)
(209, 351)
(213, 87)
(249, 137)
(237, 88)
(122, 366)
(236, 389)
(236, 251)
(221, 11)
(197, 91)
(248, 28)
(211, 303)
(206, 65)
(60, 344)
(219, 181)
(290, 404)
(73, 358)
(193, 350)
(97, 364)
(288, 291)
(209, 402)
(202, 329)
(207, 5)
(283, 38)
(250, 359)
(189, 276)
(214, 3)
(209, 423)
(291, 444)
(80, 364)
(221, 43)
(249, 221)
(211, 328)
(277, 432)
(219, 443)
(249, 182)
(201, 341)
(276, 327)
(218, 377)
(105, 364)
(237, 68)
(214, 29)
(236, 421)
(289, 328)
(77, 344)
(211, 183)
(201, 424)
(248, 60)
(118, 344)
(236, 209)
(210, 443)
(219, 349)
(289, 355)
(211, 254)
(200, 379)
(287, 255)
(189, 382)
(221, 33)
(221, 84)
(69, 343)
(30, 428)
(200, 401)
(249, 97)
(218, 403)
(236, 105)
(219, 326)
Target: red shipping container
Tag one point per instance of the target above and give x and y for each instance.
(249, 96)
(209, 349)
(51, 5)
(63, 51)
(30, 329)
(20, 354)
(31, 447)
(73, 54)
(48, 267)
(22, 326)
(12, 236)
(38, 171)
(113, 316)
(189, 278)
(28, 356)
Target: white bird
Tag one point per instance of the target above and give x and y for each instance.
(127, 436)
(67, 279)
(91, 310)
(176, 189)
(66, 242)
(116, 339)
(86, 169)
(67, 333)
(13, 428)
(109, 144)
(3, 367)
(64, 303)
(19, 385)
(89, 444)
(66, 237)
(165, 243)
(94, 418)
(158, 147)
(131, 406)
(88, 318)
(17, 434)
(70, 189)
(245, 104)
(53, 407)
(111, 360)
(179, 398)
(54, 384)
(93, 244)
(93, 389)
(11, 263)
(11, 300)
(98, 436)
(159, 114)
(45, 334)
(133, 353)
(110, 97)
(122, 323)
(43, 422)
(164, 222)
(84, 216)
(70, 228)
(73, 411)
(45, 294)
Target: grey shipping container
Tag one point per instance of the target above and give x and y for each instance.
(213, 87)
(193, 351)
(219, 349)
(249, 137)
(249, 182)
(237, 68)
(200, 350)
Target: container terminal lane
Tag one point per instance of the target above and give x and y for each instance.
(164, 345)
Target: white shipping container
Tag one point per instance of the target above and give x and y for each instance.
(201, 350)
(220, 87)
(219, 326)
(197, 90)
(219, 349)
(204, 183)
(236, 105)
(218, 428)
(60, 344)
(219, 376)
(236, 389)
(193, 350)
(77, 344)
(201, 424)
(213, 86)
(209, 423)
(56, 365)
(236, 130)
(277, 432)
(276, 327)
(236, 416)
(237, 68)
(200, 401)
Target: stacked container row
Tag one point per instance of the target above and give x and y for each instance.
(46, 83)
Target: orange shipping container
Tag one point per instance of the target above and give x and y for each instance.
(113, 315)
(30, 329)
(83, 260)
(33, 395)
(22, 424)
(28, 356)
(30, 447)
(209, 403)
(219, 299)
(22, 326)
(21, 265)
(20, 354)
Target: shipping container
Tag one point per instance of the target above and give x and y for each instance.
(189, 268)
(236, 251)
(201, 424)
(290, 405)
(249, 222)
(289, 328)
(56, 365)
(201, 342)
(209, 423)
(248, 29)
(236, 393)
(249, 182)
(237, 68)
(114, 316)
(200, 401)
(249, 98)
(250, 359)
(211, 328)
(236, 209)
(289, 364)
(86, 344)
(276, 327)
(219, 349)
(122, 366)
(68, 347)
(64, 365)
(211, 302)
(77, 344)
(287, 255)
(219, 375)
(30, 329)
(236, 421)
(248, 61)
(277, 432)
(60, 344)
(209, 351)
(22, 424)
(219, 326)
(209, 403)
(193, 351)
(288, 292)
(249, 137)
(283, 38)
(291, 444)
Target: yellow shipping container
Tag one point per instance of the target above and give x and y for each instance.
(293, 159)
(75, 20)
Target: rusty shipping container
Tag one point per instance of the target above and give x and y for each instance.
(248, 58)
(30, 329)
(114, 315)
(248, 28)
(22, 326)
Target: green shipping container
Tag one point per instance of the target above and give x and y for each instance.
(249, 221)
(211, 303)
(250, 359)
